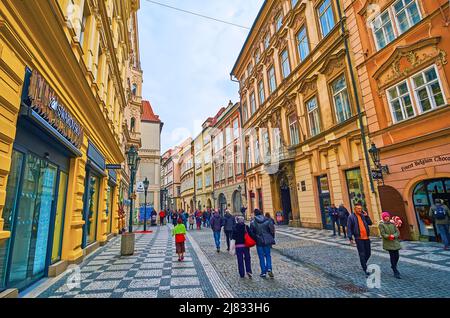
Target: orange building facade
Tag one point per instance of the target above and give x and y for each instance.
(401, 50)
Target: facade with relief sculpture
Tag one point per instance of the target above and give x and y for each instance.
(66, 69)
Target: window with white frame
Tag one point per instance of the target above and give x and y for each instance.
(237, 161)
(293, 129)
(285, 63)
(428, 90)
(303, 46)
(252, 103)
(406, 14)
(261, 92)
(272, 80)
(267, 41)
(341, 100)
(249, 69)
(279, 21)
(228, 132)
(249, 156)
(383, 30)
(313, 116)
(235, 128)
(199, 182)
(400, 101)
(326, 17)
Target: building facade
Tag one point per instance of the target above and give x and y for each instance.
(402, 52)
(150, 154)
(64, 71)
(187, 192)
(305, 137)
(229, 177)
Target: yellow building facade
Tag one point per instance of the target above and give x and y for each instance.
(303, 142)
(64, 75)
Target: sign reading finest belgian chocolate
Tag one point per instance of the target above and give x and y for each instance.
(441, 159)
(45, 102)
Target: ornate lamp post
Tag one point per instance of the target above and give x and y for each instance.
(127, 242)
(146, 183)
(380, 169)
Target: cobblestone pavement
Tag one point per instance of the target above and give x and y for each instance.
(312, 263)
(153, 271)
(307, 263)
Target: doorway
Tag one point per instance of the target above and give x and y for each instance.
(324, 201)
(222, 204)
(285, 200)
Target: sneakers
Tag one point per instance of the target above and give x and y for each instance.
(262, 275)
(218, 250)
(179, 259)
(250, 275)
(182, 258)
(270, 274)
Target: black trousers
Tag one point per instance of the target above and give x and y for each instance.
(395, 256)
(364, 252)
(228, 235)
(343, 225)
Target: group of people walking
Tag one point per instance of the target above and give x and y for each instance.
(261, 232)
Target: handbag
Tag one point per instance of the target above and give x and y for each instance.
(248, 240)
(233, 247)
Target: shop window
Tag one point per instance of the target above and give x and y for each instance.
(355, 188)
(59, 218)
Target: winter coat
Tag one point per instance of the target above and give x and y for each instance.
(353, 226)
(386, 229)
(263, 231)
(239, 233)
(228, 222)
(333, 213)
(216, 223)
(343, 215)
(191, 219)
(444, 221)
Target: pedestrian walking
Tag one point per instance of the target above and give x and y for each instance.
(191, 221)
(334, 216)
(208, 218)
(263, 232)
(242, 251)
(269, 217)
(162, 215)
(358, 227)
(174, 218)
(228, 224)
(198, 219)
(343, 218)
(185, 217)
(440, 214)
(216, 227)
(391, 243)
(179, 231)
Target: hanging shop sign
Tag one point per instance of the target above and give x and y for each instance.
(377, 174)
(44, 101)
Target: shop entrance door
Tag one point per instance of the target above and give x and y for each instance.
(324, 201)
(32, 217)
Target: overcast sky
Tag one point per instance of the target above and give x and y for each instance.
(187, 60)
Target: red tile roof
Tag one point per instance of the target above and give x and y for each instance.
(148, 115)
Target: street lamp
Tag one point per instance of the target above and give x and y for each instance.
(133, 163)
(146, 183)
(375, 155)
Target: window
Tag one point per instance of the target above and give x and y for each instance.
(257, 56)
(294, 3)
(261, 92)
(428, 90)
(293, 129)
(272, 80)
(279, 22)
(249, 157)
(303, 47)
(313, 116)
(199, 182)
(285, 64)
(267, 41)
(132, 124)
(326, 17)
(83, 23)
(249, 69)
(227, 135)
(407, 14)
(341, 101)
(266, 144)
(237, 160)
(400, 101)
(235, 128)
(244, 112)
(383, 30)
(256, 151)
(134, 89)
(207, 180)
(252, 103)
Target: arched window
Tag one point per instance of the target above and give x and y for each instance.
(132, 124)
(134, 89)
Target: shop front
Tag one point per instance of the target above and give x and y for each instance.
(47, 138)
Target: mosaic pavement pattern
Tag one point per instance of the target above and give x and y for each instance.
(152, 272)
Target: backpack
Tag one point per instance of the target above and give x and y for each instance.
(440, 213)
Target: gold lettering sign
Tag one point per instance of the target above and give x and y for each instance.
(46, 103)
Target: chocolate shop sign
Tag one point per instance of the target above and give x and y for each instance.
(45, 102)
(436, 160)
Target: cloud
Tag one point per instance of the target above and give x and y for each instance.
(187, 60)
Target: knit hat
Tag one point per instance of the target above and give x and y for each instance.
(385, 214)
(240, 219)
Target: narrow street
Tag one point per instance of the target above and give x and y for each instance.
(307, 264)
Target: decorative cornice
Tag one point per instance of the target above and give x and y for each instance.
(333, 62)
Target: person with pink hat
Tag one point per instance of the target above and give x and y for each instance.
(391, 243)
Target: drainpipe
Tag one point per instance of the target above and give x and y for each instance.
(358, 107)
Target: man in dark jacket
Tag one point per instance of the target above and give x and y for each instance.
(358, 227)
(228, 224)
(334, 216)
(343, 217)
(263, 232)
(216, 227)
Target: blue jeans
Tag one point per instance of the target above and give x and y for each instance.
(243, 258)
(217, 239)
(336, 222)
(443, 232)
(265, 260)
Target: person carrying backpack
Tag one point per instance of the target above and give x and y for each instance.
(263, 231)
(440, 214)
